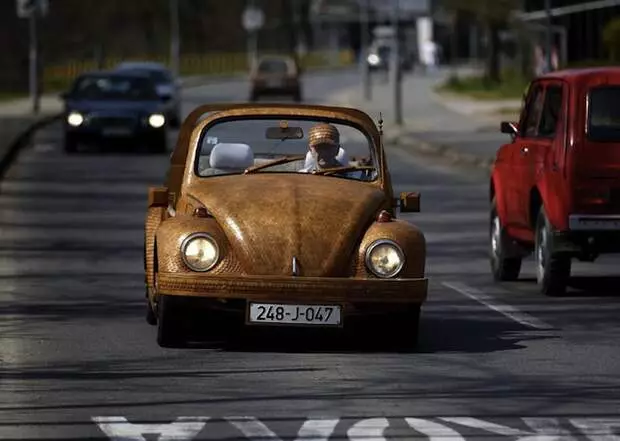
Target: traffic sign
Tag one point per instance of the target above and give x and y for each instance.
(253, 19)
(25, 8)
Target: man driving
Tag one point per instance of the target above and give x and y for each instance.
(324, 145)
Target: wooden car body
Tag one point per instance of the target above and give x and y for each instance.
(288, 238)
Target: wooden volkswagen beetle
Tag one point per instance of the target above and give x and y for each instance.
(254, 221)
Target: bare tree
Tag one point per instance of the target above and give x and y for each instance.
(494, 16)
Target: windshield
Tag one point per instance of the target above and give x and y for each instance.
(604, 114)
(231, 147)
(113, 88)
(273, 67)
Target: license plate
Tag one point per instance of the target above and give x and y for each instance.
(596, 224)
(116, 131)
(274, 83)
(317, 315)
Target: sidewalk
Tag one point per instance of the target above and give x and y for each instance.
(465, 131)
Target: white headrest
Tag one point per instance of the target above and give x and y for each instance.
(341, 157)
(231, 156)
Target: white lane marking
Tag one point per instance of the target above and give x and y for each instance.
(434, 431)
(598, 429)
(119, 429)
(371, 429)
(509, 311)
(543, 429)
(311, 430)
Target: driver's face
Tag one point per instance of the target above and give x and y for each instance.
(325, 153)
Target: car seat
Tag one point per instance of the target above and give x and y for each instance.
(228, 158)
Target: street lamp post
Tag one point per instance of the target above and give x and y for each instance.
(174, 36)
(365, 68)
(395, 70)
(548, 35)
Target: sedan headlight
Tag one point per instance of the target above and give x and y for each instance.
(385, 258)
(75, 119)
(200, 252)
(373, 59)
(157, 120)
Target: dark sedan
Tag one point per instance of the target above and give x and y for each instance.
(111, 107)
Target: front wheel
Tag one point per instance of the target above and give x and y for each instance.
(503, 266)
(552, 270)
(169, 322)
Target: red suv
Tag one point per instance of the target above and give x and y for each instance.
(555, 189)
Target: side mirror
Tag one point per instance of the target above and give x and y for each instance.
(509, 128)
(409, 202)
(158, 197)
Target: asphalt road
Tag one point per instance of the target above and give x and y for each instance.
(78, 360)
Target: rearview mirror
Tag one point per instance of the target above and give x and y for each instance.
(158, 197)
(284, 133)
(409, 202)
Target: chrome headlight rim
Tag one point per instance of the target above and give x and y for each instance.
(398, 250)
(189, 239)
(160, 117)
(71, 119)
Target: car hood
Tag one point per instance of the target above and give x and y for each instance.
(269, 219)
(114, 106)
(165, 89)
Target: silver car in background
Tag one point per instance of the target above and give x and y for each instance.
(168, 87)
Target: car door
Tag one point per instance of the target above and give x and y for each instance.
(545, 147)
(522, 155)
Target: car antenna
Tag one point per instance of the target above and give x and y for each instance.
(380, 123)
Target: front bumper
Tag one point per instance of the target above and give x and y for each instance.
(299, 289)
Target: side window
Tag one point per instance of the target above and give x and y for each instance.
(532, 112)
(551, 112)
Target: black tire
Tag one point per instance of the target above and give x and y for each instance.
(504, 267)
(159, 147)
(398, 330)
(151, 317)
(552, 270)
(70, 144)
(169, 323)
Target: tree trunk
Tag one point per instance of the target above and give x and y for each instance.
(493, 53)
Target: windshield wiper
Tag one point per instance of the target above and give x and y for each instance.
(330, 171)
(278, 161)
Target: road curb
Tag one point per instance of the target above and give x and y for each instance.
(452, 154)
(21, 140)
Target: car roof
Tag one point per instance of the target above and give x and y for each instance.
(112, 73)
(151, 65)
(584, 73)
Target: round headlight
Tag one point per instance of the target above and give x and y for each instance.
(385, 259)
(75, 119)
(200, 252)
(157, 120)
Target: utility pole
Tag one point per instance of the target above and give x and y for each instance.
(548, 35)
(174, 37)
(364, 6)
(35, 93)
(396, 73)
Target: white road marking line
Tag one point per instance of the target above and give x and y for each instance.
(119, 429)
(311, 430)
(434, 431)
(509, 311)
(543, 429)
(598, 429)
(371, 429)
